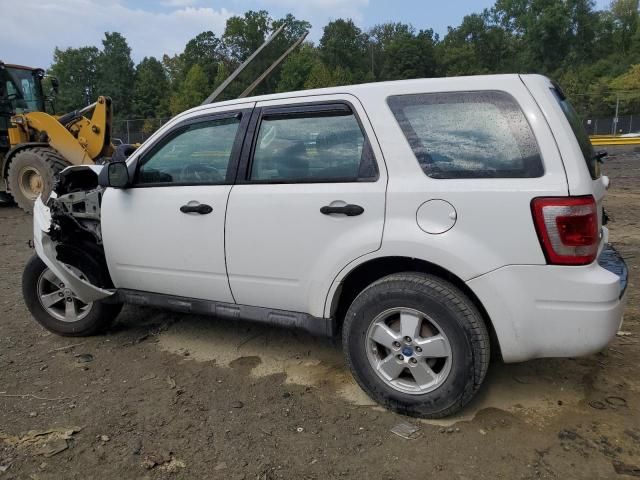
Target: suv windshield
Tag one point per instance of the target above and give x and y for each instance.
(580, 133)
(24, 89)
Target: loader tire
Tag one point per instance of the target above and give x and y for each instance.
(33, 172)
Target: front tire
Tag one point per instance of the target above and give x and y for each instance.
(416, 344)
(33, 172)
(57, 308)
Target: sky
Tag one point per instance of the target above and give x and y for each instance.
(32, 28)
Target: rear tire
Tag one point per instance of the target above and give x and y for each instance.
(33, 172)
(416, 344)
(47, 301)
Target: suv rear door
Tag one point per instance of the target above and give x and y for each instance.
(309, 199)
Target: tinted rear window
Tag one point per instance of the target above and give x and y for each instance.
(580, 133)
(468, 135)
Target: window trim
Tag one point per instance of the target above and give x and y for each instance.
(293, 110)
(244, 116)
(400, 97)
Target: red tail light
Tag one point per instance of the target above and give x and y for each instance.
(567, 228)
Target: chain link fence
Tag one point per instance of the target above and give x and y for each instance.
(136, 130)
(621, 125)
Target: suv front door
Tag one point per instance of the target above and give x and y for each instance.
(309, 199)
(165, 234)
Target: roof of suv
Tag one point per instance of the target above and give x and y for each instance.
(355, 89)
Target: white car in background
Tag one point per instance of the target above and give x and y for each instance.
(428, 221)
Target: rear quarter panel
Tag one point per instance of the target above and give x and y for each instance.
(494, 225)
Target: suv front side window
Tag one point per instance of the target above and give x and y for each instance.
(323, 144)
(468, 135)
(197, 153)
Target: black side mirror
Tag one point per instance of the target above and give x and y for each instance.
(114, 175)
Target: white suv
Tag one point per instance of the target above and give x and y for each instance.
(429, 221)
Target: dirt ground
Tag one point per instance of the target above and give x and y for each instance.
(164, 395)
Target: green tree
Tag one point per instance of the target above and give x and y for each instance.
(626, 87)
(75, 68)
(243, 35)
(151, 90)
(319, 76)
(541, 30)
(297, 68)
(193, 90)
(478, 45)
(625, 14)
(174, 67)
(206, 50)
(344, 45)
(116, 74)
(381, 37)
(293, 29)
(410, 56)
(583, 30)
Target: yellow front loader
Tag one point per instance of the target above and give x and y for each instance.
(34, 145)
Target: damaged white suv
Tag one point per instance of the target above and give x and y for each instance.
(429, 221)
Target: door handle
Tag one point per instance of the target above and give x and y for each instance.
(348, 210)
(201, 208)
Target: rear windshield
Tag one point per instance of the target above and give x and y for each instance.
(580, 133)
(468, 135)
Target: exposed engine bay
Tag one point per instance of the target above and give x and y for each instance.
(75, 210)
(67, 232)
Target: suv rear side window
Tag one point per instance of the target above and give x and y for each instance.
(578, 130)
(468, 135)
(311, 147)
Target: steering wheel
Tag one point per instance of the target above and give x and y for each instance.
(200, 172)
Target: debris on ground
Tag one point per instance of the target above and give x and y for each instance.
(616, 401)
(46, 442)
(450, 430)
(66, 347)
(164, 461)
(171, 382)
(406, 430)
(173, 465)
(633, 434)
(84, 358)
(567, 435)
(622, 468)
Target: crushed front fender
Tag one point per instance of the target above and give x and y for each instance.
(46, 250)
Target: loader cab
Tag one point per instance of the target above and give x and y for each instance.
(20, 92)
(22, 88)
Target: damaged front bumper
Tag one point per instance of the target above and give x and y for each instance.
(46, 250)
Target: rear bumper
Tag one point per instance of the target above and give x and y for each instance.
(554, 311)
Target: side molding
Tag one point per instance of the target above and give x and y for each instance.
(322, 327)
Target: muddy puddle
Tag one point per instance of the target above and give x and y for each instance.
(535, 391)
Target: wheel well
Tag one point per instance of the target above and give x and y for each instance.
(367, 273)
